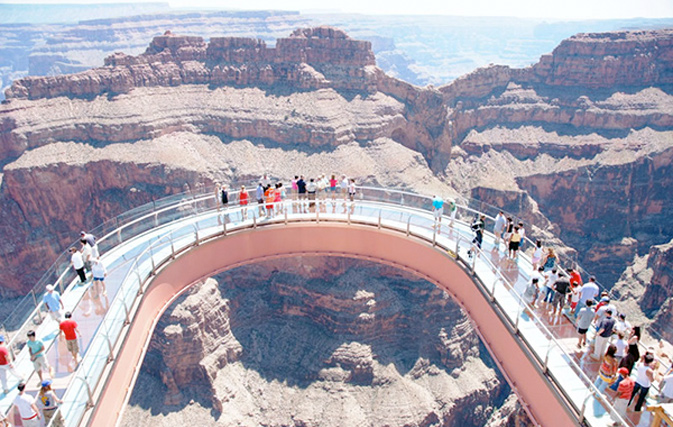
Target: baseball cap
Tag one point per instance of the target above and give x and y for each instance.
(623, 372)
(50, 288)
(46, 383)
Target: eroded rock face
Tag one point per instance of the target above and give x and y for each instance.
(318, 341)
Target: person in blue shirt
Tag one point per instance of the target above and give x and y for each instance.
(437, 209)
(37, 354)
(52, 300)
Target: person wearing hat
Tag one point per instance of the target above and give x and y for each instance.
(624, 391)
(24, 404)
(6, 366)
(52, 300)
(48, 400)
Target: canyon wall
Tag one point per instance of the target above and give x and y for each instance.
(318, 341)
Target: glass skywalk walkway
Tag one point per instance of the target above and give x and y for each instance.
(137, 244)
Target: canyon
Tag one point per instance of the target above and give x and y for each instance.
(318, 341)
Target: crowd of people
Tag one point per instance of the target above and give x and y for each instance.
(305, 194)
(84, 259)
(615, 345)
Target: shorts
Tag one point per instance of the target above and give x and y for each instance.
(72, 345)
(99, 279)
(582, 331)
(260, 201)
(513, 246)
(439, 212)
(558, 300)
(41, 364)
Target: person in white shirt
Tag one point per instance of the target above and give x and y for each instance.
(99, 274)
(621, 345)
(344, 186)
(77, 263)
(499, 226)
(666, 387)
(522, 232)
(588, 291)
(86, 255)
(622, 325)
(25, 405)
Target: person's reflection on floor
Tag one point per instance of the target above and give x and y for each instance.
(99, 298)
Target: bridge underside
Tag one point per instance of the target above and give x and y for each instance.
(393, 248)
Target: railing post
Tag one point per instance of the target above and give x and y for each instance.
(156, 219)
(154, 267)
(110, 356)
(495, 282)
(317, 215)
(474, 260)
(119, 234)
(196, 237)
(379, 219)
(408, 226)
(224, 227)
(172, 247)
(37, 305)
(127, 319)
(254, 219)
(434, 236)
(140, 283)
(60, 285)
(546, 357)
(516, 322)
(348, 216)
(285, 213)
(457, 246)
(89, 402)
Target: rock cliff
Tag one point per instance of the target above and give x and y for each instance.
(318, 341)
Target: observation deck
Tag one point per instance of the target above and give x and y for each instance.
(156, 252)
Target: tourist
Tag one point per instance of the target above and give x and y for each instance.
(70, 331)
(49, 400)
(6, 365)
(588, 291)
(294, 188)
(91, 240)
(575, 277)
(99, 273)
(607, 372)
(522, 233)
(311, 189)
(644, 378)
(633, 352)
(622, 345)
(622, 325)
(352, 190)
(602, 309)
(243, 198)
(52, 300)
(279, 197)
(531, 291)
(550, 260)
(603, 334)
(478, 230)
(321, 184)
(224, 197)
(266, 182)
(624, 391)
(37, 354)
(24, 404)
(437, 210)
(509, 229)
(537, 254)
(86, 251)
(499, 226)
(301, 191)
(270, 196)
(453, 208)
(77, 263)
(550, 278)
(541, 285)
(344, 187)
(574, 295)
(333, 186)
(514, 242)
(584, 318)
(666, 387)
(561, 289)
(259, 195)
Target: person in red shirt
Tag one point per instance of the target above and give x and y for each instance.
(69, 329)
(575, 277)
(624, 391)
(6, 365)
(243, 201)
